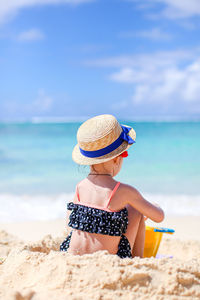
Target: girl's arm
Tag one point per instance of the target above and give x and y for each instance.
(135, 199)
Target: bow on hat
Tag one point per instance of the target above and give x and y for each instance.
(123, 137)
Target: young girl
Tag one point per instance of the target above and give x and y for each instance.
(106, 214)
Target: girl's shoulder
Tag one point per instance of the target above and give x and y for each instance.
(127, 188)
(122, 195)
(127, 192)
(82, 183)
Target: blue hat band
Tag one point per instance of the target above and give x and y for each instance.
(123, 137)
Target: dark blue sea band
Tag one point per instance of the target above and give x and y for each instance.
(123, 137)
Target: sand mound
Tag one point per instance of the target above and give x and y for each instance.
(7, 243)
(38, 271)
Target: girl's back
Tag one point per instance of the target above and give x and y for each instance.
(101, 192)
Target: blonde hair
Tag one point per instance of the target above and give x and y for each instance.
(107, 167)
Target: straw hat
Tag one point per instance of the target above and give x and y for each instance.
(100, 139)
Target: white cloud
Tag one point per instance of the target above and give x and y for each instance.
(152, 34)
(30, 35)
(129, 75)
(9, 8)
(172, 8)
(161, 83)
(42, 103)
(181, 8)
(149, 60)
(166, 79)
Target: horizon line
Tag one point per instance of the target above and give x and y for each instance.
(41, 120)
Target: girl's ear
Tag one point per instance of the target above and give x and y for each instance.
(116, 159)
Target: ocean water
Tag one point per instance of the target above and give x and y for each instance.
(38, 176)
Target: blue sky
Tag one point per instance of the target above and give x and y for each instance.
(79, 58)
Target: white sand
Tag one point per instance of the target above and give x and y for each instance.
(32, 269)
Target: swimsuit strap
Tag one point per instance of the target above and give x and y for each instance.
(112, 193)
(77, 193)
(109, 199)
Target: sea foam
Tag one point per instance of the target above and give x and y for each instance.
(15, 208)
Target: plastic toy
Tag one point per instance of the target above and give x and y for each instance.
(153, 238)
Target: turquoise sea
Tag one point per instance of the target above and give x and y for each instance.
(38, 176)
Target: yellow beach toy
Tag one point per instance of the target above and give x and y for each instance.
(153, 238)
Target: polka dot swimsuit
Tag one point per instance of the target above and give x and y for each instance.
(95, 220)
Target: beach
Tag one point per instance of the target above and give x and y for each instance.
(91, 88)
(32, 267)
(38, 178)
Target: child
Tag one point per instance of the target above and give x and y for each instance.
(106, 214)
